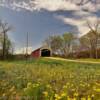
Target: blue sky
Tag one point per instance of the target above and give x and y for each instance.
(41, 18)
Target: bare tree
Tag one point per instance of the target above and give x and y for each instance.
(86, 43)
(4, 28)
(95, 35)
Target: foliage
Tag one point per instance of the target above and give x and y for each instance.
(68, 39)
(55, 43)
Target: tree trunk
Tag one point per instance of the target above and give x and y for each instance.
(4, 45)
(96, 54)
(91, 55)
(96, 48)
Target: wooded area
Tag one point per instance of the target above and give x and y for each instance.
(72, 45)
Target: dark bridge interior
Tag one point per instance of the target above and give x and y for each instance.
(45, 53)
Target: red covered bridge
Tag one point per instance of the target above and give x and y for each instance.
(41, 52)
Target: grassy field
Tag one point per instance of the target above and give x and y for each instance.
(46, 79)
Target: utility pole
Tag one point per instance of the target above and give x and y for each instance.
(27, 46)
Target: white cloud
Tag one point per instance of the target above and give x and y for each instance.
(23, 50)
(81, 13)
(50, 5)
(54, 5)
(82, 10)
(91, 7)
(81, 23)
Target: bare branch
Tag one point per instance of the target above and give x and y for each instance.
(90, 27)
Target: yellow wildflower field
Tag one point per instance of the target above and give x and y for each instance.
(49, 79)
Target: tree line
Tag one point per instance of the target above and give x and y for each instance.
(72, 45)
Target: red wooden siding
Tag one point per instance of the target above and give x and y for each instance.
(36, 53)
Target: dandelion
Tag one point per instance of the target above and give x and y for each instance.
(92, 95)
(98, 84)
(88, 85)
(57, 97)
(89, 98)
(76, 94)
(68, 98)
(35, 85)
(63, 94)
(83, 85)
(73, 89)
(65, 87)
(29, 84)
(97, 90)
(45, 93)
(68, 83)
(83, 98)
(74, 99)
(72, 85)
(48, 86)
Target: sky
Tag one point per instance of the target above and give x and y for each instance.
(42, 18)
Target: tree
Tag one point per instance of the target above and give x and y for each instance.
(68, 39)
(55, 43)
(95, 35)
(47, 42)
(5, 41)
(90, 42)
(86, 43)
(61, 45)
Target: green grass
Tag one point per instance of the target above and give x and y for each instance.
(31, 78)
(89, 59)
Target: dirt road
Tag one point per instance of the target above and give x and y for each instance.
(78, 61)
